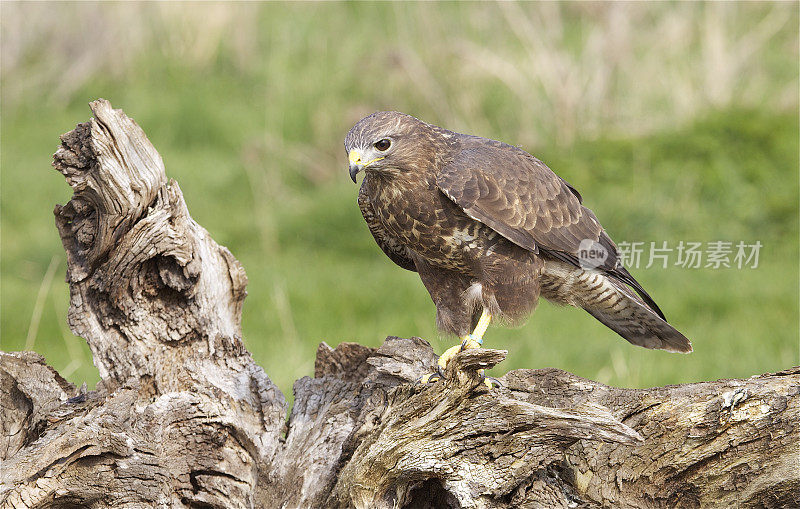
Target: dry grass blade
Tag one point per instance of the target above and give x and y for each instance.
(41, 297)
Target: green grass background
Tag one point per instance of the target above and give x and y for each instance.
(677, 122)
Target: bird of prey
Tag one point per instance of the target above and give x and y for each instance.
(489, 228)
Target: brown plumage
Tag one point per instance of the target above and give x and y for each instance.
(488, 226)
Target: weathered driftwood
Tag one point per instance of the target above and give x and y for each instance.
(184, 417)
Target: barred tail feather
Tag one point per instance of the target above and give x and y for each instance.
(614, 303)
(624, 312)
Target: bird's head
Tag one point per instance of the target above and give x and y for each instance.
(387, 142)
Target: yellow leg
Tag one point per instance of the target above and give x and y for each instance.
(480, 329)
(474, 340)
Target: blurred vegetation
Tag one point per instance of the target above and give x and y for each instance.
(675, 121)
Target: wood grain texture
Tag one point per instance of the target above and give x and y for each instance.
(183, 417)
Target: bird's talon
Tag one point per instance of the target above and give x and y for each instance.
(430, 378)
(488, 381)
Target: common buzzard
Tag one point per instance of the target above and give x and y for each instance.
(489, 228)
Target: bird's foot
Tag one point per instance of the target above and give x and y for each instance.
(467, 343)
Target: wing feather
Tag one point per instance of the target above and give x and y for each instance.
(520, 198)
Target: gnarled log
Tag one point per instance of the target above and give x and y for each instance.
(182, 415)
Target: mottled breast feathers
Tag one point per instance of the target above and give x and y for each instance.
(388, 244)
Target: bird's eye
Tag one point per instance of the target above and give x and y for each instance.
(383, 144)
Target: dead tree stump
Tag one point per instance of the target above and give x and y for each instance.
(183, 417)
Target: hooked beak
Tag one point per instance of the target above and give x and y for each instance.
(355, 164)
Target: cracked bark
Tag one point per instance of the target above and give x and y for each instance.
(183, 417)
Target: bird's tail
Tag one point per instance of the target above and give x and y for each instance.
(622, 310)
(614, 303)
